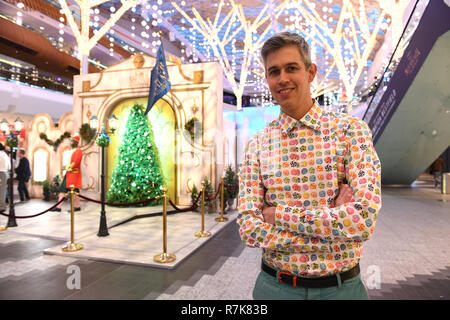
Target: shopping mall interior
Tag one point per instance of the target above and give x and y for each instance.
(153, 215)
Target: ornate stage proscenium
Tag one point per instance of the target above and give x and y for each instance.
(196, 92)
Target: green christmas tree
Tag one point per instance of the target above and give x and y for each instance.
(194, 195)
(231, 180)
(209, 194)
(138, 175)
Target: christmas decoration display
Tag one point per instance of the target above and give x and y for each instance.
(50, 190)
(138, 175)
(194, 127)
(230, 181)
(210, 192)
(217, 35)
(12, 142)
(86, 132)
(81, 31)
(230, 192)
(103, 139)
(57, 142)
(194, 195)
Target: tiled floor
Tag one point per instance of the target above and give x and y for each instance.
(138, 241)
(409, 249)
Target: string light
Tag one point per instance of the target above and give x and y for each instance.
(234, 40)
(61, 29)
(218, 41)
(85, 43)
(19, 13)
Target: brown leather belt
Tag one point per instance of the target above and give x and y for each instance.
(319, 282)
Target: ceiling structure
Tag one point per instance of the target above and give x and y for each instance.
(344, 35)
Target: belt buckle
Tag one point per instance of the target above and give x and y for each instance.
(289, 274)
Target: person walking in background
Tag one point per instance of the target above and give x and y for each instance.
(437, 167)
(4, 169)
(23, 174)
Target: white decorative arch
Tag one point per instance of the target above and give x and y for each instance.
(97, 94)
(43, 124)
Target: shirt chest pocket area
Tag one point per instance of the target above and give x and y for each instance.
(269, 172)
(270, 165)
(338, 150)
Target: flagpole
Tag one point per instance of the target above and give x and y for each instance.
(161, 39)
(159, 77)
(162, 46)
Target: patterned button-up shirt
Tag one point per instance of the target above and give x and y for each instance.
(297, 166)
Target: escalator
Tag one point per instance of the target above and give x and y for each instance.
(410, 115)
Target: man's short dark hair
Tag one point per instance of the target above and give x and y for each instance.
(22, 151)
(283, 39)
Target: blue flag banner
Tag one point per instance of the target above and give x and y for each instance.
(159, 80)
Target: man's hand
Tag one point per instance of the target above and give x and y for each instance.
(269, 214)
(345, 195)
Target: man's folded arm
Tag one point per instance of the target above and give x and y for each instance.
(354, 220)
(253, 230)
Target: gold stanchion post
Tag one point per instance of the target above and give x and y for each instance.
(221, 218)
(203, 233)
(164, 257)
(72, 246)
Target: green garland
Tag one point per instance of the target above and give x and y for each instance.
(57, 142)
(85, 132)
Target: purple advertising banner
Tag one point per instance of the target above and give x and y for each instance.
(435, 22)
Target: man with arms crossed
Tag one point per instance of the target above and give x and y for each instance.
(310, 187)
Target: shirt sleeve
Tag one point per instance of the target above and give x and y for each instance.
(352, 221)
(253, 230)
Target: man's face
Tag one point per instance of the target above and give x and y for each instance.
(288, 79)
(21, 155)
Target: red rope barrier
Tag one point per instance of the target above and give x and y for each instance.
(118, 204)
(215, 197)
(231, 189)
(193, 207)
(38, 214)
(181, 210)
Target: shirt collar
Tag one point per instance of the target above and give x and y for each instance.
(310, 119)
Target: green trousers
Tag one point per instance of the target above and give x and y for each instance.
(268, 288)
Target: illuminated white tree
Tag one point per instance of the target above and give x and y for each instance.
(81, 30)
(396, 10)
(252, 41)
(350, 46)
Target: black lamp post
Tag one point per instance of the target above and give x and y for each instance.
(103, 141)
(12, 142)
